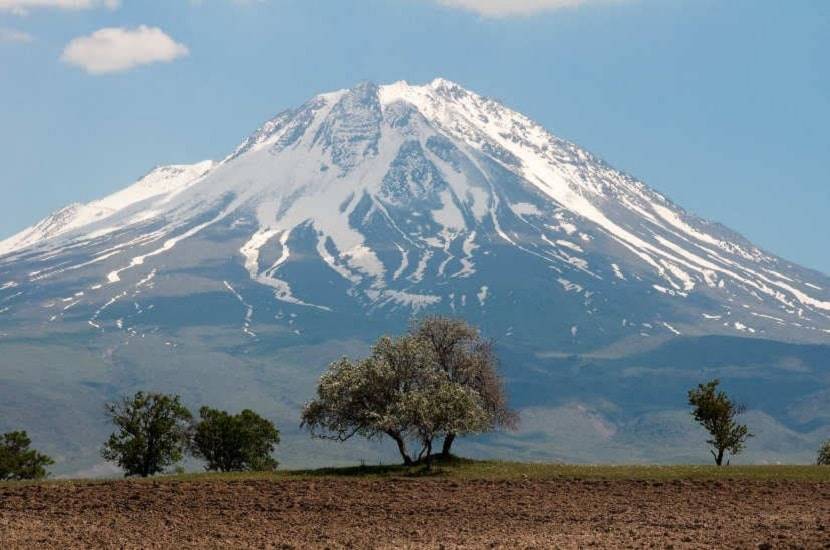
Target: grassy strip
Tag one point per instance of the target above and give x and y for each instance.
(465, 469)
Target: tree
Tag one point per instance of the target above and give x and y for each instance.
(18, 461)
(361, 398)
(398, 391)
(467, 359)
(824, 454)
(153, 430)
(441, 407)
(236, 442)
(716, 412)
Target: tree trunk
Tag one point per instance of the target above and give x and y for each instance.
(718, 457)
(407, 461)
(426, 448)
(445, 449)
(429, 455)
(145, 464)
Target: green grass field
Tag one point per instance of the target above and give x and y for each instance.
(465, 469)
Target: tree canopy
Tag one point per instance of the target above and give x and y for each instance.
(18, 461)
(823, 458)
(152, 432)
(235, 442)
(439, 380)
(467, 359)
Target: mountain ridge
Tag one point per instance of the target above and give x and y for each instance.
(343, 218)
(395, 131)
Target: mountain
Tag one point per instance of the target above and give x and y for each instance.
(234, 282)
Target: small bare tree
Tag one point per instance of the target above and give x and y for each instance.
(716, 412)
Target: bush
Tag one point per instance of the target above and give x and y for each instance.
(237, 442)
(18, 461)
(153, 430)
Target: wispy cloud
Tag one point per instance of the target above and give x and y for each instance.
(22, 7)
(118, 49)
(12, 35)
(507, 8)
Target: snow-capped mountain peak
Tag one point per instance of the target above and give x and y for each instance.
(235, 282)
(419, 197)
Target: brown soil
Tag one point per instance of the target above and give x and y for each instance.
(416, 513)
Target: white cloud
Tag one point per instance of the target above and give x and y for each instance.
(22, 7)
(118, 49)
(12, 35)
(507, 8)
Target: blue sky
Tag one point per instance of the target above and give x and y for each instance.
(724, 105)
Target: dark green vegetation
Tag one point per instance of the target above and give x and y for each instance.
(18, 461)
(716, 412)
(235, 442)
(439, 380)
(823, 458)
(152, 432)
